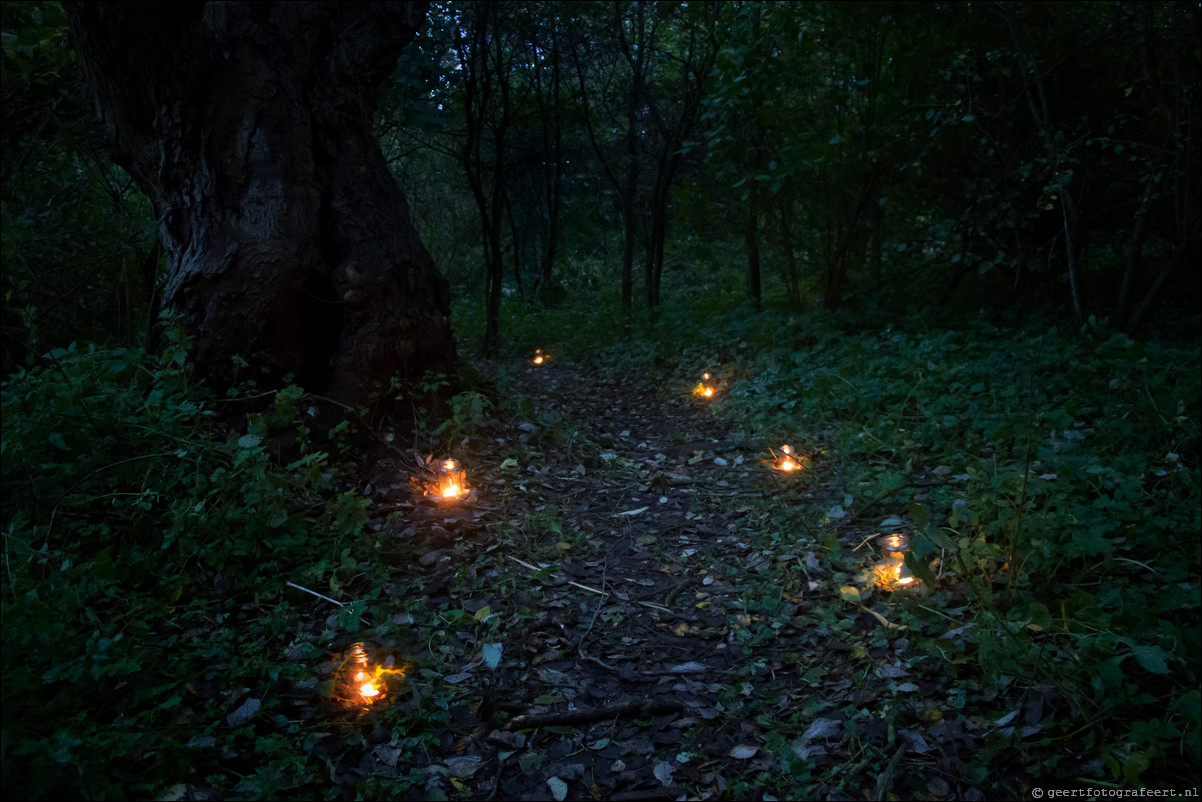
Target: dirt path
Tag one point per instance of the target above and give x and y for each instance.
(644, 614)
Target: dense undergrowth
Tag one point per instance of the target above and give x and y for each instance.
(143, 563)
(147, 641)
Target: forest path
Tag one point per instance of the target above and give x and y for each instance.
(659, 618)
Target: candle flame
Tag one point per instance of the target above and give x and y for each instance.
(451, 482)
(368, 687)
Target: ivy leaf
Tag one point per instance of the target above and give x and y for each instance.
(1151, 658)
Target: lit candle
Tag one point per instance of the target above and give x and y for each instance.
(895, 547)
(452, 482)
(787, 462)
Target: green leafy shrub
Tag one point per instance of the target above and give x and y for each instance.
(143, 563)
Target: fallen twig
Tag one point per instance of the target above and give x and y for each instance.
(887, 775)
(632, 710)
(318, 595)
(574, 584)
(580, 644)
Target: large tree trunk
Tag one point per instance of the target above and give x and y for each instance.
(289, 244)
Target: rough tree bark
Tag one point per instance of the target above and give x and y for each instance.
(288, 242)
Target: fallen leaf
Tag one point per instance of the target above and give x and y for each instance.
(243, 713)
(804, 751)
(633, 512)
(891, 672)
(388, 755)
(663, 773)
(464, 766)
(743, 751)
(850, 593)
(1006, 719)
(559, 788)
(514, 740)
(915, 740)
(823, 728)
(492, 654)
